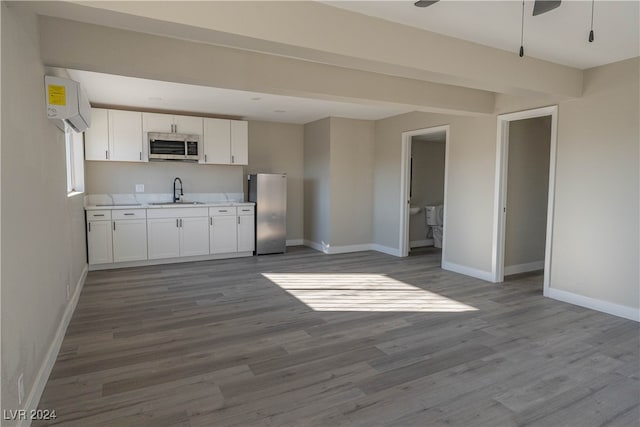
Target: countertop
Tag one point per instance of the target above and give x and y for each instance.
(168, 205)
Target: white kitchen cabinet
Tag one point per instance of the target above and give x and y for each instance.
(225, 142)
(169, 123)
(99, 241)
(177, 232)
(125, 136)
(96, 138)
(129, 235)
(239, 142)
(223, 234)
(163, 237)
(194, 236)
(246, 229)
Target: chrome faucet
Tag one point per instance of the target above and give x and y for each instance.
(177, 198)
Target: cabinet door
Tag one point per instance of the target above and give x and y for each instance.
(156, 122)
(163, 238)
(224, 234)
(217, 141)
(129, 240)
(96, 138)
(194, 236)
(125, 136)
(246, 235)
(99, 242)
(239, 142)
(188, 125)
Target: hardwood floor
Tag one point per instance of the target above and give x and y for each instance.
(218, 343)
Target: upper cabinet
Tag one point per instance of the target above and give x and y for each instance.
(169, 123)
(114, 135)
(226, 142)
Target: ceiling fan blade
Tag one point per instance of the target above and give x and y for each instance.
(425, 3)
(543, 6)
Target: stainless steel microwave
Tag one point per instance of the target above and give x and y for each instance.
(174, 146)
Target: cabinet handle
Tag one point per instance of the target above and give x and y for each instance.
(233, 159)
(89, 224)
(210, 220)
(222, 210)
(238, 220)
(140, 155)
(205, 158)
(177, 222)
(129, 214)
(245, 210)
(98, 214)
(114, 226)
(106, 154)
(180, 222)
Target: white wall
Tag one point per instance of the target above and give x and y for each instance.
(43, 240)
(527, 191)
(427, 180)
(277, 148)
(317, 183)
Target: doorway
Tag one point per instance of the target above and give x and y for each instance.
(525, 186)
(423, 190)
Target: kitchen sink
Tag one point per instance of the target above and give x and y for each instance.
(176, 203)
(120, 204)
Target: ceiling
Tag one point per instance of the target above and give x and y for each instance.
(558, 36)
(113, 90)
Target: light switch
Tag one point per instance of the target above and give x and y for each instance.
(139, 188)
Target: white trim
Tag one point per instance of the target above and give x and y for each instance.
(349, 248)
(294, 242)
(421, 243)
(317, 246)
(405, 158)
(386, 250)
(33, 399)
(594, 304)
(523, 268)
(142, 263)
(467, 271)
(500, 195)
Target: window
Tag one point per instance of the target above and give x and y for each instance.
(75, 161)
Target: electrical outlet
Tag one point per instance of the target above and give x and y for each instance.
(20, 388)
(139, 188)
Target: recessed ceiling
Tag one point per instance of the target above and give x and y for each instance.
(559, 36)
(113, 90)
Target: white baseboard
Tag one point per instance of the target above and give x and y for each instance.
(33, 398)
(523, 268)
(420, 243)
(468, 271)
(327, 249)
(385, 249)
(295, 242)
(594, 304)
(146, 262)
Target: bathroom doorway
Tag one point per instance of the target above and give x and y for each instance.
(424, 154)
(525, 185)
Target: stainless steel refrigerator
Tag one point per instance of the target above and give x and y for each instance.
(269, 193)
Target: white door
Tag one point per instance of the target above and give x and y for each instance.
(125, 135)
(246, 236)
(96, 138)
(163, 238)
(189, 125)
(194, 236)
(156, 122)
(217, 141)
(99, 242)
(239, 142)
(130, 240)
(224, 234)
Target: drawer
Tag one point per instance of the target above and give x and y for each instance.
(222, 211)
(101, 215)
(246, 210)
(177, 213)
(129, 214)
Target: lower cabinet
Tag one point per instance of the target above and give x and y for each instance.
(99, 241)
(246, 231)
(223, 234)
(173, 233)
(129, 240)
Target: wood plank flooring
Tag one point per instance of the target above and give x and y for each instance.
(217, 343)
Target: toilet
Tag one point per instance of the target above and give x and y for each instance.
(434, 216)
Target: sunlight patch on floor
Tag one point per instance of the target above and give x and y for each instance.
(362, 292)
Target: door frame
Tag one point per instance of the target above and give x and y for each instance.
(500, 199)
(405, 167)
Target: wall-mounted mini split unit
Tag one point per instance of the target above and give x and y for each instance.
(67, 103)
